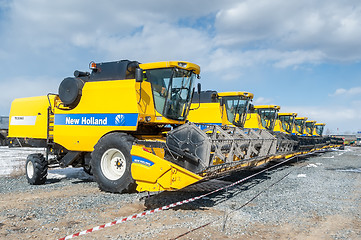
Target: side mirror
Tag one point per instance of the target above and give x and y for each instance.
(199, 88)
(139, 75)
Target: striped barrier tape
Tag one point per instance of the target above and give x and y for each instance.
(142, 214)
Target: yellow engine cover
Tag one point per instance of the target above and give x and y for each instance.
(209, 113)
(29, 117)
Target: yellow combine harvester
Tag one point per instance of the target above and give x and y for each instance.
(300, 123)
(310, 128)
(288, 122)
(319, 128)
(113, 120)
(225, 108)
(268, 115)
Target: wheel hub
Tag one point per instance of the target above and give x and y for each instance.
(119, 164)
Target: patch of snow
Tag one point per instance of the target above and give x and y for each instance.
(301, 175)
(357, 170)
(13, 159)
(68, 173)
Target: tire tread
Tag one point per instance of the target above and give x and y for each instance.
(103, 143)
(40, 169)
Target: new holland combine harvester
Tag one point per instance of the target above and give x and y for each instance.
(126, 122)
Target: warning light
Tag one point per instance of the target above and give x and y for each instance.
(92, 65)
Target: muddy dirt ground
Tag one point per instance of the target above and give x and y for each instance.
(320, 198)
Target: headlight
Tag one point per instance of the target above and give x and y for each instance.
(182, 64)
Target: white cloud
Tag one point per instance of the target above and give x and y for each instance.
(157, 45)
(80, 22)
(283, 33)
(347, 92)
(329, 28)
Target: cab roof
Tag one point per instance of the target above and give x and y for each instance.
(287, 114)
(267, 106)
(231, 94)
(180, 64)
(301, 118)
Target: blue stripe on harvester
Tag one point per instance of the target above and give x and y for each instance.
(94, 119)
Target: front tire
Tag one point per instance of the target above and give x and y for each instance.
(111, 163)
(36, 169)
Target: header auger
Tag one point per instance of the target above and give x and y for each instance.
(126, 122)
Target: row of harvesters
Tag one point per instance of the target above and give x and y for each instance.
(144, 127)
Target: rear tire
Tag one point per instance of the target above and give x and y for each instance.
(111, 163)
(36, 169)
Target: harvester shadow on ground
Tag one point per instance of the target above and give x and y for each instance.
(195, 190)
(52, 181)
(76, 175)
(76, 181)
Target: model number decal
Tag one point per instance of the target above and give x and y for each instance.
(103, 119)
(23, 120)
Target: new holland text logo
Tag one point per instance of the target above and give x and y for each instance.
(86, 121)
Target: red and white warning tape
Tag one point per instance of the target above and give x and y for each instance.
(132, 217)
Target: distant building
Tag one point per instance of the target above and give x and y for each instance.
(4, 127)
(4, 122)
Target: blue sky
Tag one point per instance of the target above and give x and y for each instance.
(302, 55)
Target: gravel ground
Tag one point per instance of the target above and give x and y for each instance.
(319, 198)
